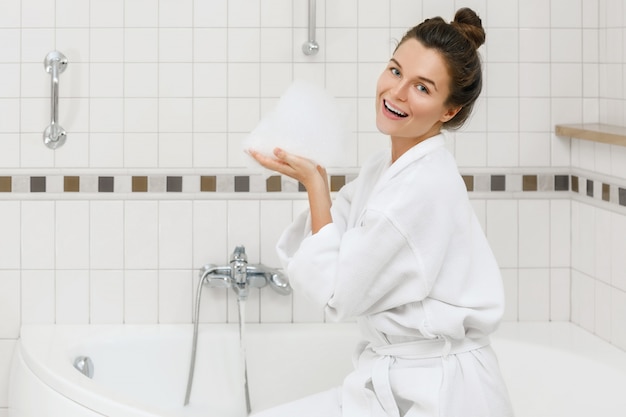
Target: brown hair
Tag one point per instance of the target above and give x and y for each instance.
(457, 42)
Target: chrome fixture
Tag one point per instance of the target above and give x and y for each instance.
(310, 47)
(240, 276)
(54, 135)
(84, 365)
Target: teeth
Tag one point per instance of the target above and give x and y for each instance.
(394, 110)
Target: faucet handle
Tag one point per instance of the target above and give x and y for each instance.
(239, 254)
(279, 282)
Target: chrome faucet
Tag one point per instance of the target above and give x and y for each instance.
(239, 272)
(241, 276)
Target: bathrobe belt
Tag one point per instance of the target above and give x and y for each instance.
(422, 349)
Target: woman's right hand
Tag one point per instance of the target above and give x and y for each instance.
(304, 170)
(309, 174)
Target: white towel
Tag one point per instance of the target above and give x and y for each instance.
(306, 121)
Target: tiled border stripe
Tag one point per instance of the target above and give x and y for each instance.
(482, 183)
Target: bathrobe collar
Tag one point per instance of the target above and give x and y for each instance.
(413, 154)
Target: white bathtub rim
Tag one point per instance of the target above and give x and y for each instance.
(48, 360)
(566, 337)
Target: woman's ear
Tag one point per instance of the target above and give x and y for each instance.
(448, 115)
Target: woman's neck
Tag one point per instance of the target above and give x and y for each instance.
(399, 145)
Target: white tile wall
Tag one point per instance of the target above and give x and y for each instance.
(170, 85)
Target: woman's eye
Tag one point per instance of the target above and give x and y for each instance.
(422, 88)
(395, 71)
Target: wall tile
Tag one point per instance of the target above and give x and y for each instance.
(244, 227)
(175, 13)
(534, 46)
(534, 294)
(106, 13)
(583, 301)
(602, 313)
(10, 213)
(511, 294)
(141, 297)
(618, 249)
(583, 236)
(106, 299)
(566, 45)
(534, 233)
(175, 234)
(141, 235)
(560, 233)
(560, 290)
(141, 13)
(602, 245)
(10, 305)
(72, 296)
(342, 14)
(175, 301)
(37, 230)
(106, 235)
(618, 315)
(502, 231)
(38, 297)
(72, 235)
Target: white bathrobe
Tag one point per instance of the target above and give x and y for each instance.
(406, 256)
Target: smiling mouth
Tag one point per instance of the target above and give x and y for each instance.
(394, 110)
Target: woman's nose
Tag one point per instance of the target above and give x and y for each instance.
(399, 91)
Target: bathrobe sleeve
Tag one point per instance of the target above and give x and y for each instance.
(390, 257)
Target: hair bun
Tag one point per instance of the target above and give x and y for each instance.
(471, 27)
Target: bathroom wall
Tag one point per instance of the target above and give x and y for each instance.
(598, 280)
(152, 182)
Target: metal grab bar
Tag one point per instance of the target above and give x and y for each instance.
(54, 135)
(310, 47)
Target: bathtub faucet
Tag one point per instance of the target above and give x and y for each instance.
(241, 276)
(239, 272)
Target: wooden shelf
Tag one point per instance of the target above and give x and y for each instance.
(614, 135)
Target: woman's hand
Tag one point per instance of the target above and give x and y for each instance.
(310, 174)
(302, 169)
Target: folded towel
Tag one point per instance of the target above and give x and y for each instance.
(306, 121)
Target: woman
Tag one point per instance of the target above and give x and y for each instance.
(400, 248)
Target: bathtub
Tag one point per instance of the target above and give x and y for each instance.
(552, 369)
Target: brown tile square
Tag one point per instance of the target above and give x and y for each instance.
(273, 184)
(574, 183)
(589, 188)
(336, 182)
(106, 184)
(37, 184)
(606, 192)
(208, 183)
(140, 184)
(5, 185)
(71, 184)
(529, 183)
(301, 187)
(242, 183)
(174, 184)
(469, 182)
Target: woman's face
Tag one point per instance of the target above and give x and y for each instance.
(411, 93)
